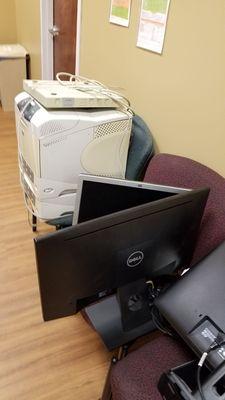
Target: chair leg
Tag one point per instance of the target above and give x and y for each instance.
(107, 393)
(121, 353)
(34, 223)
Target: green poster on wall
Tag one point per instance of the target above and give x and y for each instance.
(152, 25)
(120, 12)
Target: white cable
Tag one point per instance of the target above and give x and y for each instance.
(90, 85)
(29, 210)
(202, 359)
(27, 205)
(84, 84)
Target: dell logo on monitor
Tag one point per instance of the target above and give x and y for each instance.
(135, 258)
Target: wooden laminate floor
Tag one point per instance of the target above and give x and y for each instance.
(62, 359)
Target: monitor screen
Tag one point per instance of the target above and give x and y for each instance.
(98, 196)
(97, 256)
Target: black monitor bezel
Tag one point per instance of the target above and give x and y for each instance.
(99, 224)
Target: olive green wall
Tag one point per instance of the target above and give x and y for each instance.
(7, 22)
(29, 32)
(181, 93)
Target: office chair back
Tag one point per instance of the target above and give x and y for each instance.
(141, 150)
(172, 170)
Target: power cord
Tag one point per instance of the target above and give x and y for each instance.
(29, 209)
(84, 84)
(156, 318)
(214, 346)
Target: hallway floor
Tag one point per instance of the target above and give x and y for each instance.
(62, 359)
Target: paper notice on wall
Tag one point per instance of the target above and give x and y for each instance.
(152, 25)
(120, 12)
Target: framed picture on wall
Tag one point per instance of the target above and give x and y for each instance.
(120, 12)
(152, 25)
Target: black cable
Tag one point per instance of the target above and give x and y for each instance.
(199, 383)
(158, 323)
(216, 346)
(212, 347)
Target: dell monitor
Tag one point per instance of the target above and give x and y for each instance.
(88, 261)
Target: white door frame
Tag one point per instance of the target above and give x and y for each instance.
(46, 13)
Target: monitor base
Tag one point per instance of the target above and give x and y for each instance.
(105, 316)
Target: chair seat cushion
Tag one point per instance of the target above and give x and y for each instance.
(136, 376)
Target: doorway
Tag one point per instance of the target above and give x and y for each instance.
(60, 37)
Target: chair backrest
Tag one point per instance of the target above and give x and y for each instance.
(171, 170)
(141, 149)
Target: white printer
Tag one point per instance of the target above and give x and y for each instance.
(56, 145)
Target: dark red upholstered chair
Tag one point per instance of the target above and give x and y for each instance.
(135, 377)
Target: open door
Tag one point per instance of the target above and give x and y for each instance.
(60, 36)
(64, 35)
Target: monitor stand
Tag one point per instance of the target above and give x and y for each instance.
(119, 319)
